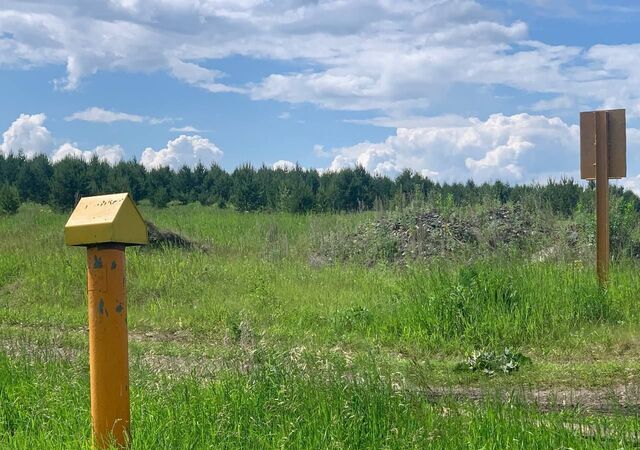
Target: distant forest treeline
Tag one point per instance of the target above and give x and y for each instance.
(247, 188)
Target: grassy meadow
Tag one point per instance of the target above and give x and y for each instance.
(258, 341)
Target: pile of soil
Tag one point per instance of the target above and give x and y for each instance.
(165, 238)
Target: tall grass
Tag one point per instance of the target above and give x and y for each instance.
(493, 305)
(258, 272)
(45, 405)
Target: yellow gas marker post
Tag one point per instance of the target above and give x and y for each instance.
(603, 155)
(105, 224)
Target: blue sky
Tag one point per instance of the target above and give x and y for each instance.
(453, 89)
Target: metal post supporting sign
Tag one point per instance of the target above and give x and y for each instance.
(603, 149)
(105, 225)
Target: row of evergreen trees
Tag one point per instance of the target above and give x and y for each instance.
(61, 184)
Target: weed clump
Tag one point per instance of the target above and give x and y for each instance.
(490, 362)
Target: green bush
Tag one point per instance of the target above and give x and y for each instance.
(9, 199)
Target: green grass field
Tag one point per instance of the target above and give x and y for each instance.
(256, 343)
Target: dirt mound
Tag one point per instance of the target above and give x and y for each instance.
(166, 238)
(425, 234)
(431, 233)
(421, 235)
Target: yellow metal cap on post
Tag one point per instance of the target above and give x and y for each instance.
(106, 219)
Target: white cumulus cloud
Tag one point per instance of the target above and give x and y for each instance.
(181, 151)
(69, 150)
(27, 134)
(516, 148)
(283, 164)
(111, 154)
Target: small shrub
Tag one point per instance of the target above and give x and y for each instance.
(9, 199)
(490, 362)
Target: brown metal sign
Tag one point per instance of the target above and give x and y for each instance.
(610, 126)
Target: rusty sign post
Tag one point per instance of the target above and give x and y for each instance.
(603, 155)
(105, 224)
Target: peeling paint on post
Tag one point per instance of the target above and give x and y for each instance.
(105, 225)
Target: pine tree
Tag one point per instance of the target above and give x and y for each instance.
(217, 187)
(160, 183)
(184, 186)
(9, 199)
(98, 177)
(245, 192)
(34, 178)
(68, 183)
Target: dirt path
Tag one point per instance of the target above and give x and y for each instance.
(619, 398)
